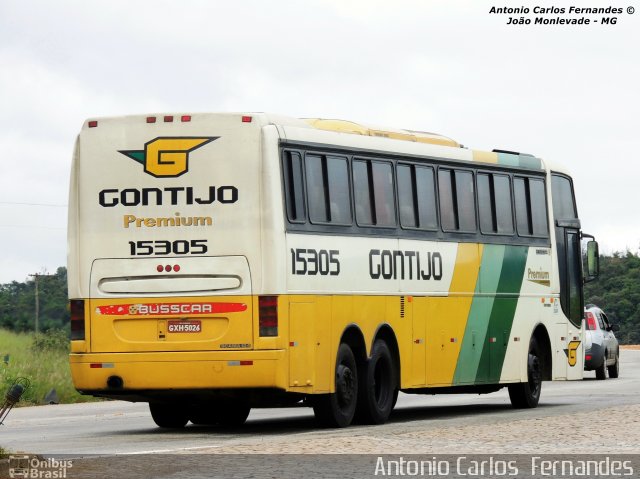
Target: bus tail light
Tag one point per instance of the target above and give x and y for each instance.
(77, 319)
(591, 321)
(268, 315)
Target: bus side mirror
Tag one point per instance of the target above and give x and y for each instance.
(593, 260)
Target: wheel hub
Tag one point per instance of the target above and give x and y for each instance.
(345, 385)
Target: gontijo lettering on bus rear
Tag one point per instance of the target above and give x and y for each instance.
(170, 195)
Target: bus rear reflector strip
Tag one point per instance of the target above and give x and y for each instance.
(101, 365)
(239, 363)
(161, 309)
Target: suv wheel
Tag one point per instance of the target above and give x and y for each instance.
(601, 371)
(614, 369)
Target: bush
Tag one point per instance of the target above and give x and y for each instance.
(53, 340)
(43, 360)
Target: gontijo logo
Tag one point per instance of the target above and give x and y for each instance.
(167, 156)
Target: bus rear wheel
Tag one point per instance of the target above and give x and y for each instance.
(338, 409)
(170, 416)
(527, 395)
(378, 387)
(234, 414)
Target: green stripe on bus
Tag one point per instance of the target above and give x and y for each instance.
(502, 314)
(530, 162)
(521, 161)
(508, 159)
(478, 321)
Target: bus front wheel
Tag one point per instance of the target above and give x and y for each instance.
(338, 409)
(527, 394)
(171, 416)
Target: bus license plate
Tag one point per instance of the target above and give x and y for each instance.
(185, 326)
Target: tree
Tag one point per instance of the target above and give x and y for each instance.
(17, 303)
(617, 292)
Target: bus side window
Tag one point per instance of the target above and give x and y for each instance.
(328, 190)
(563, 200)
(339, 191)
(293, 186)
(383, 194)
(316, 195)
(362, 193)
(374, 193)
(417, 197)
(531, 206)
(457, 200)
(494, 204)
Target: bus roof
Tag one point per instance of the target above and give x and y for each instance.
(501, 157)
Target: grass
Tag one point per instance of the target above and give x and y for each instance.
(43, 360)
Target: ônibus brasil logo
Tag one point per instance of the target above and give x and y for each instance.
(167, 156)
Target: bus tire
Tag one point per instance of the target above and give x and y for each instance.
(234, 414)
(378, 386)
(202, 418)
(527, 395)
(227, 414)
(170, 416)
(337, 409)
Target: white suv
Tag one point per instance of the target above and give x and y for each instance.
(601, 350)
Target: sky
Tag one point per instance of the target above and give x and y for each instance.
(567, 93)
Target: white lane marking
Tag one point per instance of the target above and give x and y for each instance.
(160, 451)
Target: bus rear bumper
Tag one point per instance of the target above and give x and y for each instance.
(95, 372)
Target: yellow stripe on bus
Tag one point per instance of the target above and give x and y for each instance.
(485, 156)
(448, 319)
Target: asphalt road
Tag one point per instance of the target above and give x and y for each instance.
(115, 427)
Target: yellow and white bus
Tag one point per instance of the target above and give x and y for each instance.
(219, 262)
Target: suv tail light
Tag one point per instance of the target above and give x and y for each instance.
(591, 321)
(77, 319)
(268, 315)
